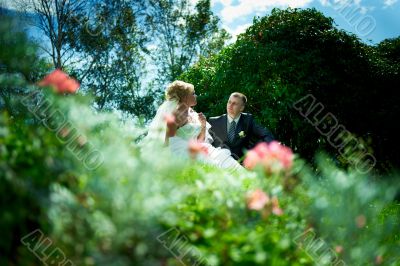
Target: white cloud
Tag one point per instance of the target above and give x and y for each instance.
(336, 3)
(8, 4)
(238, 30)
(223, 2)
(388, 3)
(354, 5)
(230, 12)
(365, 9)
(339, 2)
(324, 2)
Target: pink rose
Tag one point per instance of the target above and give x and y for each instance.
(281, 153)
(261, 149)
(274, 157)
(361, 221)
(339, 249)
(257, 200)
(251, 160)
(68, 86)
(275, 206)
(60, 82)
(196, 147)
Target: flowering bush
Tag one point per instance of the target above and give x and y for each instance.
(100, 197)
(140, 205)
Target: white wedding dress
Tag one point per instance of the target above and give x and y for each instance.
(179, 144)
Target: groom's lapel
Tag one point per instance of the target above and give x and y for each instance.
(240, 124)
(224, 128)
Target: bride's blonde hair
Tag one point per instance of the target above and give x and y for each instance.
(178, 90)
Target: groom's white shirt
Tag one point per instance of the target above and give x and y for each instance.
(230, 119)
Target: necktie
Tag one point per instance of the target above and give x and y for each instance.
(232, 130)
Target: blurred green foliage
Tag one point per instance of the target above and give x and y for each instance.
(19, 62)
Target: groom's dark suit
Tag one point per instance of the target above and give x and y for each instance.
(247, 134)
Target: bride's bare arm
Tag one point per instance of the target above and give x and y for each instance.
(170, 132)
(180, 118)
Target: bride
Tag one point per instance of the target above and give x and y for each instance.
(181, 128)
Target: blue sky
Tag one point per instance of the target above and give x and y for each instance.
(372, 21)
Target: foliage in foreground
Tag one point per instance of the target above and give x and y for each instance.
(103, 198)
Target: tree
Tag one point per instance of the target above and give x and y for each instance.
(182, 34)
(112, 61)
(19, 60)
(51, 18)
(20, 65)
(390, 50)
(105, 44)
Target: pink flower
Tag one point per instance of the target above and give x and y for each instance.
(64, 132)
(196, 147)
(361, 221)
(261, 149)
(281, 153)
(251, 160)
(60, 82)
(257, 200)
(274, 157)
(275, 206)
(54, 78)
(378, 260)
(260, 201)
(82, 141)
(69, 86)
(339, 249)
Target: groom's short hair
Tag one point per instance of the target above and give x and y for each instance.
(241, 96)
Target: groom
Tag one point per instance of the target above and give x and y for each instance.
(235, 130)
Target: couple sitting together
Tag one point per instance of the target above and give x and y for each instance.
(223, 138)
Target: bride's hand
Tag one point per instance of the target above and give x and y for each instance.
(203, 120)
(201, 137)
